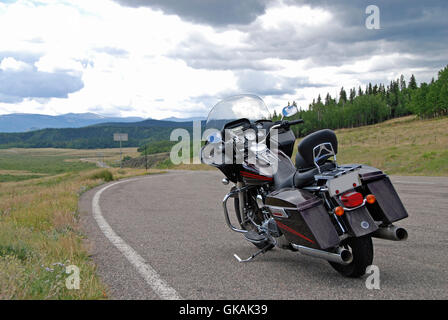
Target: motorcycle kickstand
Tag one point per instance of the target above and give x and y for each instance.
(263, 250)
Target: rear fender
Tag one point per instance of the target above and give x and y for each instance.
(359, 222)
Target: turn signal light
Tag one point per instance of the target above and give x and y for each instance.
(339, 211)
(370, 198)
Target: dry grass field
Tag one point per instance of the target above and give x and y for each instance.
(39, 230)
(403, 146)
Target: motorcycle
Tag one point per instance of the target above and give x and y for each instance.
(314, 206)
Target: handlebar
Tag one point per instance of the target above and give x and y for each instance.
(287, 123)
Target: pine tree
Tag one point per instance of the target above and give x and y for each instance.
(412, 83)
(360, 93)
(352, 95)
(402, 83)
(342, 96)
(327, 99)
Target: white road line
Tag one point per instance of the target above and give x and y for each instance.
(158, 285)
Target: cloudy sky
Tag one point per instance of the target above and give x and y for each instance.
(162, 58)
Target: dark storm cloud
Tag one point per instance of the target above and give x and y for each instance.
(407, 27)
(211, 12)
(31, 83)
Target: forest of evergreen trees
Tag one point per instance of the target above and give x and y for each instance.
(376, 103)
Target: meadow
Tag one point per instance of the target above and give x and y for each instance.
(402, 146)
(39, 220)
(23, 164)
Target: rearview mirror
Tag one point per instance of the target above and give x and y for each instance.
(289, 111)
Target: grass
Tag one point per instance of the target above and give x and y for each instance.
(39, 226)
(23, 164)
(403, 146)
(104, 175)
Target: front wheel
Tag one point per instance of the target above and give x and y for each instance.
(247, 225)
(362, 251)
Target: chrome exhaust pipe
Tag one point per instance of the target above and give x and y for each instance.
(391, 232)
(342, 256)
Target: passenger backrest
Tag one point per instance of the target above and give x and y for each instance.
(306, 146)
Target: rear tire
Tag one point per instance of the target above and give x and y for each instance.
(362, 251)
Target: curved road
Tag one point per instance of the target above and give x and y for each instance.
(171, 241)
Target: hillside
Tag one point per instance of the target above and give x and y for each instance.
(402, 146)
(96, 136)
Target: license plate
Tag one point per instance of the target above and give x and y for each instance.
(343, 183)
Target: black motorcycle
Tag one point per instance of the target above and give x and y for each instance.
(315, 206)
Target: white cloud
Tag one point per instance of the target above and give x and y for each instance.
(300, 18)
(68, 36)
(11, 64)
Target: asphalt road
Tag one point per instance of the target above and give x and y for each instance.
(174, 222)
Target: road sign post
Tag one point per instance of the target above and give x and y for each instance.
(121, 137)
(146, 158)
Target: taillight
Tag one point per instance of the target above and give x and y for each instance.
(352, 199)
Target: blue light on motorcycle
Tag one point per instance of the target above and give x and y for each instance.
(214, 137)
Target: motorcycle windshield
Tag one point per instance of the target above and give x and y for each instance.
(237, 107)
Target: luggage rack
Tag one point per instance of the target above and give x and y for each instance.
(337, 172)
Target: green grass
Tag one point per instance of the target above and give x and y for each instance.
(11, 177)
(41, 163)
(104, 175)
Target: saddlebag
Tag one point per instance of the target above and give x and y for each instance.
(302, 218)
(388, 207)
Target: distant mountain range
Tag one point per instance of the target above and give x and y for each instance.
(24, 122)
(94, 136)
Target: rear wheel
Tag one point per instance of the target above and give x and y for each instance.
(362, 251)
